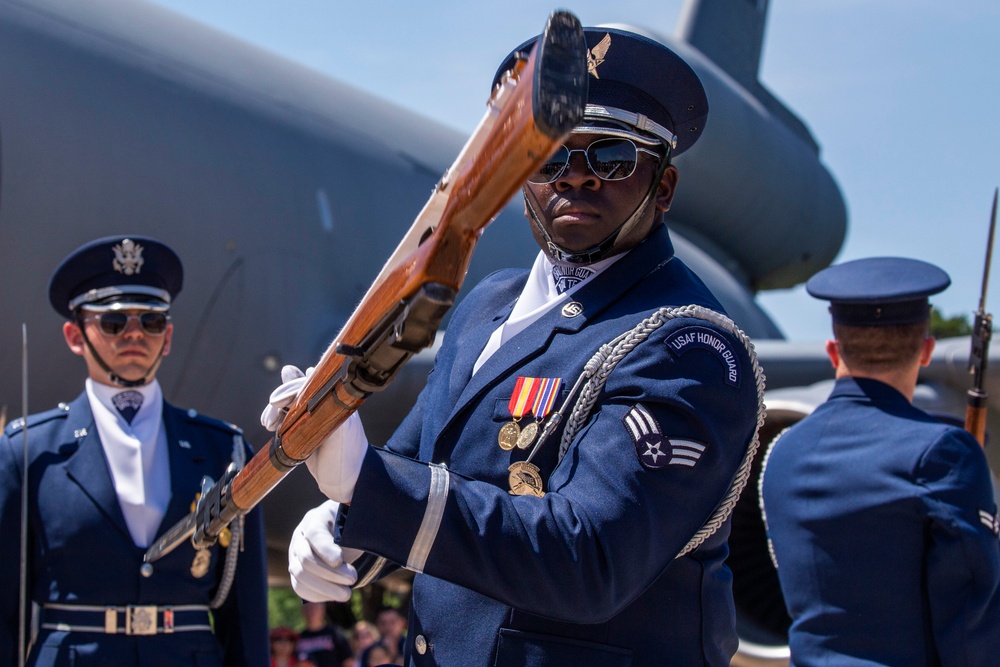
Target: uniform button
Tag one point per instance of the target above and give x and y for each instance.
(421, 644)
(146, 570)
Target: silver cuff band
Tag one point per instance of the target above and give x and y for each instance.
(437, 497)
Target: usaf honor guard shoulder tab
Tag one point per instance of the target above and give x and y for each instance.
(700, 337)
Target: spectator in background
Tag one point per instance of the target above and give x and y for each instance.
(283, 648)
(322, 644)
(363, 634)
(391, 625)
(377, 655)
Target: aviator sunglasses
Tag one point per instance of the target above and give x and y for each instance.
(114, 323)
(611, 159)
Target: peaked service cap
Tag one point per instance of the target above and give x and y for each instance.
(117, 272)
(641, 77)
(879, 291)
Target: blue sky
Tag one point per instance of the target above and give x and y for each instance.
(903, 97)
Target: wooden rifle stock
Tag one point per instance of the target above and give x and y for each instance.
(529, 114)
(977, 398)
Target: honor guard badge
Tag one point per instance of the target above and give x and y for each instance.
(128, 257)
(656, 451)
(686, 339)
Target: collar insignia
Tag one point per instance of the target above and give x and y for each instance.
(128, 257)
(596, 55)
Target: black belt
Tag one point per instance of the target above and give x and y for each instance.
(129, 620)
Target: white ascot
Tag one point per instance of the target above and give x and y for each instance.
(539, 296)
(137, 455)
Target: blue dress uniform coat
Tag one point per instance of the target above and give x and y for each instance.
(81, 553)
(884, 530)
(585, 575)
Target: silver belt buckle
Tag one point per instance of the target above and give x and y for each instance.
(140, 619)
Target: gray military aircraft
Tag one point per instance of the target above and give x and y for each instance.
(270, 181)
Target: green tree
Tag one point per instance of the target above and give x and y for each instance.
(284, 608)
(942, 327)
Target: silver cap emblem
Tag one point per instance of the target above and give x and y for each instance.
(128, 257)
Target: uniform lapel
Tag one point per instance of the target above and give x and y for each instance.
(88, 467)
(187, 467)
(473, 342)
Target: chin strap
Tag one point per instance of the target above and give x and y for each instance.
(606, 247)
(114, 377)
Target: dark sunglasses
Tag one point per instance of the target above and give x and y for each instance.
(611, 159)
(113, 323)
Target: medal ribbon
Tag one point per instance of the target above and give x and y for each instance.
(545, 397)
(523, 396)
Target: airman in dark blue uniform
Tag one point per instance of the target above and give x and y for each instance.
(110, 470)
(563, 485)
(881, 518)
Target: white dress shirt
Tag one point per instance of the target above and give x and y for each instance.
(538, 297)
(137, 455)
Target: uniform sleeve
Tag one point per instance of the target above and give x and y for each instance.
(10, 549)
(241, 621)
(963, 563)
(406, 439)
(652, 463)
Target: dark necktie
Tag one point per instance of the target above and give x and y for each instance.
(566, 277)
(128, 404)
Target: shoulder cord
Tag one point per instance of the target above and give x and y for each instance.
(236, 536)
(760, 493)
(595, 375)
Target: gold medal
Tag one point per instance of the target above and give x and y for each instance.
(527, 435)
(199, 567)
(509, 435)
(520, 402)
(525, 480)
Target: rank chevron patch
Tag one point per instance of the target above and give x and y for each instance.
(655, 450)
(991, 521)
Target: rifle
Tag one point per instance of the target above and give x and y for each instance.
(978, 397)
(536, 105)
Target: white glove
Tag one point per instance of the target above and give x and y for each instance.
(320, 569)
(292, 381)
(336, 463)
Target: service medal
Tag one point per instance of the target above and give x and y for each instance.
(525, 480)
(527, 435)
(520, 402)
(509, 435)
(199, 567)
(546, 391)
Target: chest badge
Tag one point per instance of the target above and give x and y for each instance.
(199, 566)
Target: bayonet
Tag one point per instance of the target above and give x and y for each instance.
(22, 618)
(982, 332)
